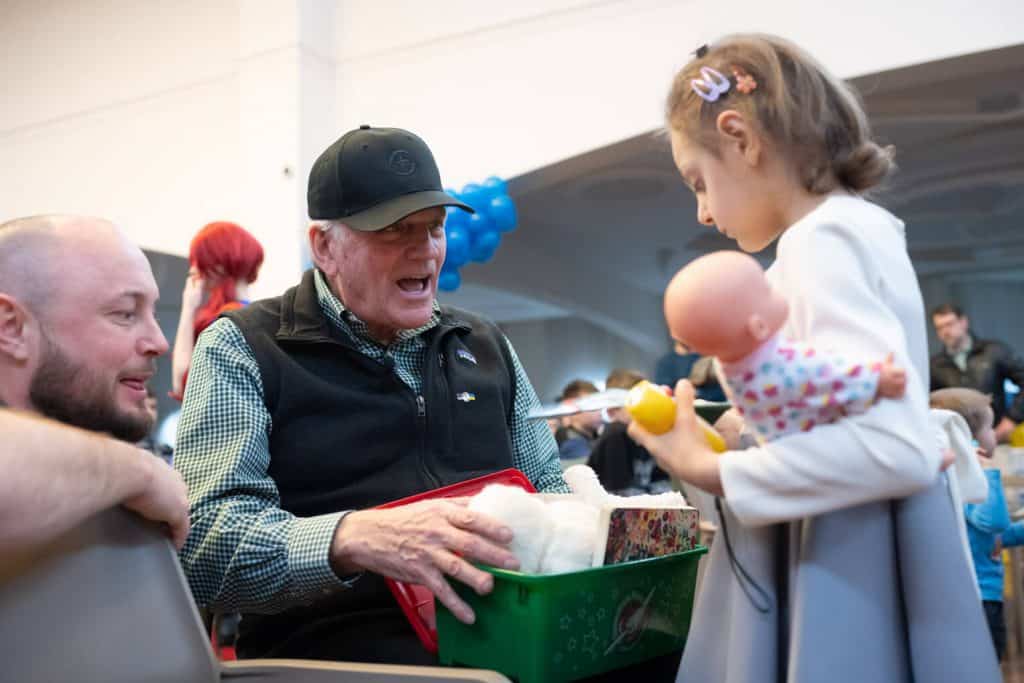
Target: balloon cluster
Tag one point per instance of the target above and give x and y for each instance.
(475, 237)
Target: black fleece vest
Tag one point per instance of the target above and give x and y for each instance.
(347, 433)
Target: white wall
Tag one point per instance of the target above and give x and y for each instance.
(166, 114)
(556, 351)
(500, 89)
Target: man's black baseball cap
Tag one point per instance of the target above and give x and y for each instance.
(374, 177)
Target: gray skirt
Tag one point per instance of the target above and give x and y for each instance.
(877, 593)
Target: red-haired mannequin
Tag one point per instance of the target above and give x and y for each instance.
(225, 259)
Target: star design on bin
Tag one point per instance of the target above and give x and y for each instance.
(590, 641)
(601, 613)
(565, 622)
(571, 645)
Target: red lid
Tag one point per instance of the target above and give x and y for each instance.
(417, 601)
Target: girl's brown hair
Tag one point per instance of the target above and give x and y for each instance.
(812, 118)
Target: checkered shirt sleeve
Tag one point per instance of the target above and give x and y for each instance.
(534, 450)
(244, 552)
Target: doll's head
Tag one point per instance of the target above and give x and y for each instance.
(722, 305)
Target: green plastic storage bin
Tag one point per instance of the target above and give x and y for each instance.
(561, 627)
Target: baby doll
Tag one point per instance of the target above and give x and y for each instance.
(722, 305)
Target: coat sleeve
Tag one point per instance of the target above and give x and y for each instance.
(831, 279)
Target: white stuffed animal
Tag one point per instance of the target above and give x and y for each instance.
(559, 536)
(525, 514)
(574, 533)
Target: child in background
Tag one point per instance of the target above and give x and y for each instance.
(824, 578)
(988, 523)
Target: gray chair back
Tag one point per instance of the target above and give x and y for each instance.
(105, 603)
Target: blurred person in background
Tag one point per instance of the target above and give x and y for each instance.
(224, 259)
(988, 523)
(674, 365)
(151, 442)
(981, 364)
(623, 466)
(576, 436)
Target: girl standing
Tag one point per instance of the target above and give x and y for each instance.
(820, 574)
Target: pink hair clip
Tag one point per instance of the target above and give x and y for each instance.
(745, 83)
(711, 85)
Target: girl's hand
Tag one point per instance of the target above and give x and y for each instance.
(683, 451)
(195, 291)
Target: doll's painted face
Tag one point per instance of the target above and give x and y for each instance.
(722, 305)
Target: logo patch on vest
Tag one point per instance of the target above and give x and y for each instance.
(465, 397)
(465, 355)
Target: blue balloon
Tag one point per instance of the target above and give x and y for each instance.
(449, 280)
(503, 212)
(479, 223)
(475, 196)
(457, 218)
(484, 246)
(459, 245)
(495, 186)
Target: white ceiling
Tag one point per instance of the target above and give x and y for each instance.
(600, 234)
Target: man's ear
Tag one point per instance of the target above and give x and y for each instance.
(758, 328)
(320, 249)
(735, 130)
(14, 333)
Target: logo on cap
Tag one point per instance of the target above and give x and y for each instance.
(465, 396)
(401, 163)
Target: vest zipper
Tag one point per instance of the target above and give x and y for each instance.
(421, 422)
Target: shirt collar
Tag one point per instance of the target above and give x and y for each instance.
(966, 351)
(336, 312)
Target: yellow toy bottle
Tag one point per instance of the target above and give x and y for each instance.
(656, 411)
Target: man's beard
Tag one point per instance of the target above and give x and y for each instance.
(70, 393)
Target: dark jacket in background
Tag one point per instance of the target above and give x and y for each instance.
(988, 364)
(622, 465)
(673, 367)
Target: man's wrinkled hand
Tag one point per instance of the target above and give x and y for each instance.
(424, 543)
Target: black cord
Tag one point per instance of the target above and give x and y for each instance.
(742, 577)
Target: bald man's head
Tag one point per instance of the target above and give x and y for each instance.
(35, 251)
(78, 334)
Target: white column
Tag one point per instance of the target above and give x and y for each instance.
(285, 107)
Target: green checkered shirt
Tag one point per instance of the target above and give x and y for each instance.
(244, 552)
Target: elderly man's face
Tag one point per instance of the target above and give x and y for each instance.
(388, 278)
(99, 340)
